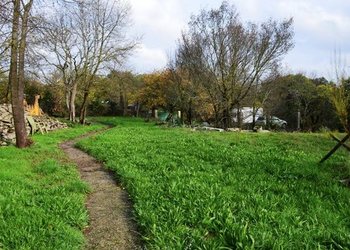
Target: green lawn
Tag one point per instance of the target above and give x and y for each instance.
(211, 190)
(41, 195)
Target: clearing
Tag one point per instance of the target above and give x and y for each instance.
(194, 190)
(211, 190)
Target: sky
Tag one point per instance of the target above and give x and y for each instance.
(321, 27)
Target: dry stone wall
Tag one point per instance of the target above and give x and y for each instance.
(43, 123)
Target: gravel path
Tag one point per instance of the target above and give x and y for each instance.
(111, 224)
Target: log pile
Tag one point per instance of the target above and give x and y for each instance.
(44, 123)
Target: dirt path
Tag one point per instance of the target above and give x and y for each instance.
(111, 224)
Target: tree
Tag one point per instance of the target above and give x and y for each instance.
(5, 34)
(291, 94)
(101, 26)
(112, 94)
(225, 57)
(20, 18)
(152, 93)
(5, 45)
(61, 53)
(124, 84)
(84, 37)
(339, 93)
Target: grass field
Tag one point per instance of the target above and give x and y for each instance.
(41, 195)
(210, 190)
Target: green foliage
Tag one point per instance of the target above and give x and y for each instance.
(202, 190)
(291, 94)
(339, 96)
(42, 197)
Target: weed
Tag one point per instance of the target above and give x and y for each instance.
(41, 198)
(208, 190)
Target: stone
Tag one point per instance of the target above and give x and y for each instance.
(7, 130)
(233, 129)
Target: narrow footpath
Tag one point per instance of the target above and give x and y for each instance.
(111, 224)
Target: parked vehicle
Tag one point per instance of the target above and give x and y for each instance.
(274, 121)
(246, 114)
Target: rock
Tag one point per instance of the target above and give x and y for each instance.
(209, 129)
(7, 130)
(233, 129)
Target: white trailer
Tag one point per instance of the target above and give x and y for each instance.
(246, 114)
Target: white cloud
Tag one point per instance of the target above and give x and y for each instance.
(320, 27)
(158, 21)
(148, 59)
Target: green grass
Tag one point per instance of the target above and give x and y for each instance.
(210, 190)
(42, 197)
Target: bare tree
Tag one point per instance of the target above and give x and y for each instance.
(80, 40)
(60, 51)
(20, 17)
(101, 27)
(339, 94)
(5, 44)
(186, 95)
(226, 58)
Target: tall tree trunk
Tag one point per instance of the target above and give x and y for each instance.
(226, 117)
(83, 109)
(189, 113)
(254, 115)
(239, 116)
(125, 105)
(67, 97)
(121, 102)
(72, 96)
(16, 77)
(137, 109)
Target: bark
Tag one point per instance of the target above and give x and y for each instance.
(226, 118)
(239, 116)
(72, 96)
(254, 115)
(83, 109)
(16, 77)
(138, 109)
(189, 113)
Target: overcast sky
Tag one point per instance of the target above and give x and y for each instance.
(320, 26)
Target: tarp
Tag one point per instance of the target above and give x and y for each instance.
(163, 116)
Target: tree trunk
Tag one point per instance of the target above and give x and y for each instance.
(226, 119)
(239, 116)
(123, 102)
(67, 97)
(72, 96)
(125, 107)
(189, 113)
(254, 115)
(83, 109)
(138, 109)
(16, 77)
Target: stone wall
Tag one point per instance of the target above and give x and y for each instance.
(44, 123)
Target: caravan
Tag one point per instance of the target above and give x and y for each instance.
(246, 114)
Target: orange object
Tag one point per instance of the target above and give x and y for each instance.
(35, 109)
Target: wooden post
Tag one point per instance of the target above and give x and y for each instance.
(298, 120)
(339, 144)
(338, 140)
